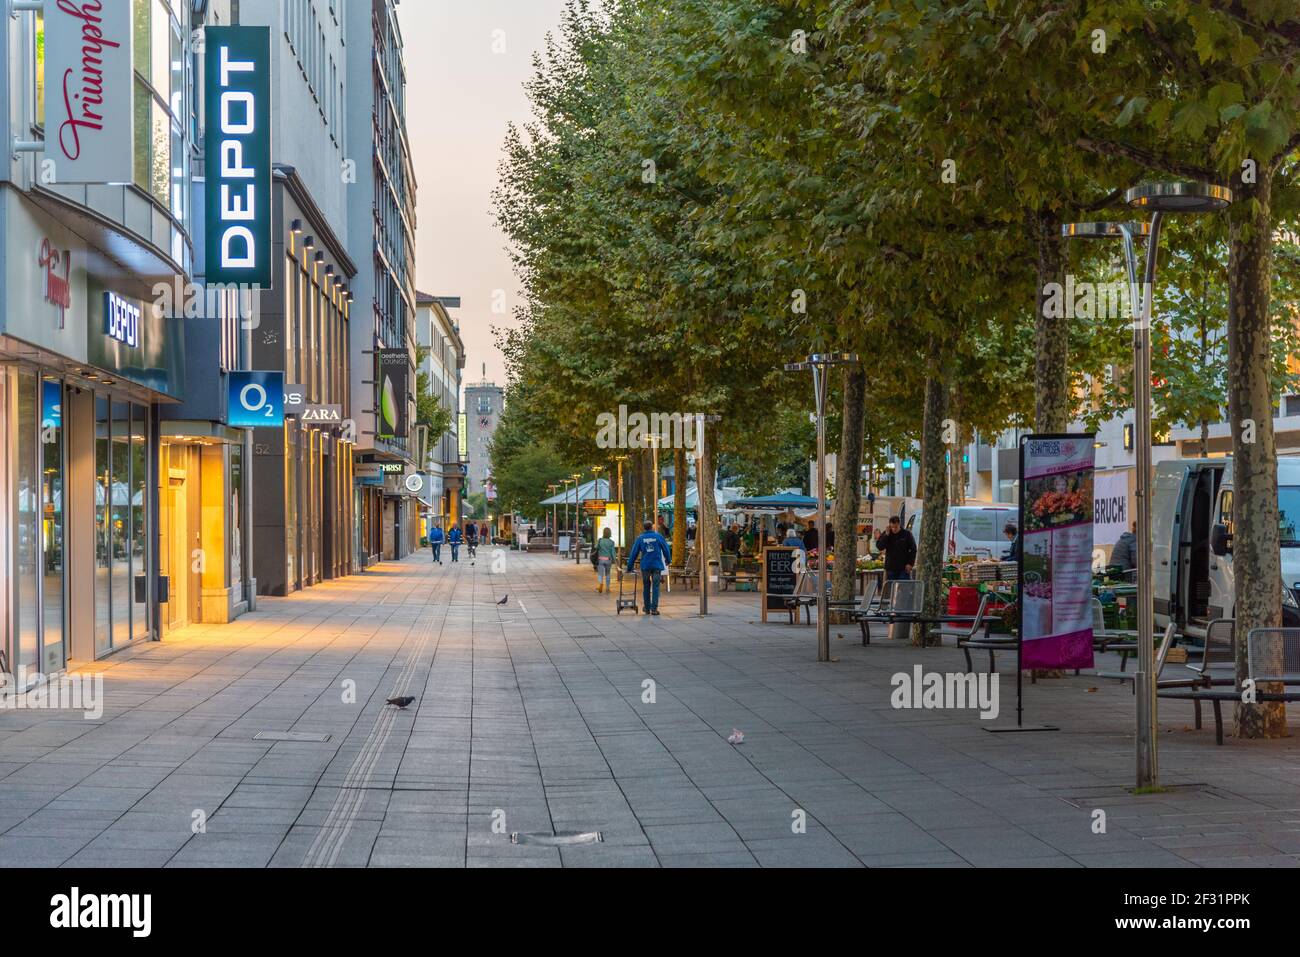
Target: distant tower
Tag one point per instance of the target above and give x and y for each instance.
(484, 403)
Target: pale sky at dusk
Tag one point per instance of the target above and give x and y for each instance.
(461, 95)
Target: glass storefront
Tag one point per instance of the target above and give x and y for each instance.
(122, 518)
(31, 425)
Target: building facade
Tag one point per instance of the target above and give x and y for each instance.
(443, 354)
(381, 237)
(484, 403)
(87, 364)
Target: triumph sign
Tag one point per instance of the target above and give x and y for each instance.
(238, 153)
(90, 90)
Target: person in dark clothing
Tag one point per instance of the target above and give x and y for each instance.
(1124, 554)
(731, 541)
(810, 536)
(899, 549)
(1012, 533)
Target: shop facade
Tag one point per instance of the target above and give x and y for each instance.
(86, 365)
(304, 508)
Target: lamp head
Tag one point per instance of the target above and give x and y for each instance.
(1184, 197)
(1104, 230)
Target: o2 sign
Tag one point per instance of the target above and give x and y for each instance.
(237, 145)
(256, 400)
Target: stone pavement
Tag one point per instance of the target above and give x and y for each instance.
(532, 717)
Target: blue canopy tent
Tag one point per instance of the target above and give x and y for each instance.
(722, 496)
(785, 502)
(584, 493)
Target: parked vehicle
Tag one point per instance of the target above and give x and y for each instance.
(1191, 541)
(971, 529)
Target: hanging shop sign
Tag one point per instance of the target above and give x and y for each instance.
(295, 400)
(322, 416)
(462, 436)
(1056, 524)
(392, 468)
(394, 394)
(137, 343)
(238, 151)
(256, 400)
(90, 91)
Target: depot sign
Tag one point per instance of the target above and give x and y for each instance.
(237, 147)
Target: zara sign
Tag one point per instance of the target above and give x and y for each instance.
(237, 147)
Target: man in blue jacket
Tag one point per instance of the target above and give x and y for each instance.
(652, 548)
(435, 540)
(454, 540)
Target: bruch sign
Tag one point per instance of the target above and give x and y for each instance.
(238, 150)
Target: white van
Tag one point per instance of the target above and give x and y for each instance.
(972, 529)
(1191, 541)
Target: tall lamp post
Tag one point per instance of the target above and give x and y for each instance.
(577, 520)
(566, 504)
(555, 528)
(1159, 198)
(820, 366)
(702, 544)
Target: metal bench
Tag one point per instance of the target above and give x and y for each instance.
(1272, 658)
(900, 600)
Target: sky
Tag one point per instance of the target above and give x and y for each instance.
(461, 95)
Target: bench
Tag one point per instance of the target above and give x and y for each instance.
(967, 634)
(689, 573)
(1272, 658)
(731, 577)
(901, 599)
(805, 597)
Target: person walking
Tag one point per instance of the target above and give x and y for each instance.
(605, 552)
(899, 548)
(652, 548)
(471, 539)
(454, 540)
(435, 540)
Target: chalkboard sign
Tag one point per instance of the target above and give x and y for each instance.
(779, 578)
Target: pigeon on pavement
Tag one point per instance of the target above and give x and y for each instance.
(504, 600)
(403, 702)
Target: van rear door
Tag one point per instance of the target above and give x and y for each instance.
(1169, 498)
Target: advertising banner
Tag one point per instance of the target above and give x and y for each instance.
(1056, 519)
(90, 89)
(1111, 514)
(237, 79)
(394, 394)
(256, 400)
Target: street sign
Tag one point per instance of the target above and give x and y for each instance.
(596, 505)
(256, 400)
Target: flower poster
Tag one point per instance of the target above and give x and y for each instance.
(1056, 495)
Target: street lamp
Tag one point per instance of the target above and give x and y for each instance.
(577, 534)
(820, 366)
(622, 508)
(1159, 198)
(701, 540)
(555, 528)
(566, 508)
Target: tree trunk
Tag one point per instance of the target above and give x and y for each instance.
(706, 513)
(1051, 333)
(934, 479)
(848, 485)
(679, 506)
(1256, 548)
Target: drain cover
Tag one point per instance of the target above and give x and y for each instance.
(290, 736)
(563, 839)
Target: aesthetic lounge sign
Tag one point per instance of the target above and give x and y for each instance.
(90, 91)
(238, 149)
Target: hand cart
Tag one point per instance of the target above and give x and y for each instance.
(622, 602)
